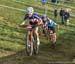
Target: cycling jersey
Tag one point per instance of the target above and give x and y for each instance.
(33, 19)
(51, 23)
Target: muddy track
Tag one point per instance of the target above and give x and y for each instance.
(45, 56)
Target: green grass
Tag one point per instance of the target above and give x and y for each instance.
(12, 39)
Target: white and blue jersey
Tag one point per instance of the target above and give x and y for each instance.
(33, 19)
(51, 23)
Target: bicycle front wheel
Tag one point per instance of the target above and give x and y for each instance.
(29, 47)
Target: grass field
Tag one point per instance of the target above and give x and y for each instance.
(12, 38)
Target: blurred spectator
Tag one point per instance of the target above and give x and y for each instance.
(55, 14)
(44, 1)
(62, 15)
(55, 1)
(66, 17)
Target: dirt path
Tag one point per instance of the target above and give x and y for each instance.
(45, 56)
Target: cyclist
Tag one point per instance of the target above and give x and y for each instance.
(51, 27)
(34, 21)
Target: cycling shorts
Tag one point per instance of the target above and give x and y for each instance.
(52, 29)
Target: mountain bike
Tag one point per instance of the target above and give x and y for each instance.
(31, 46)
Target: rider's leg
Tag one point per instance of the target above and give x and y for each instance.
(37, 35)
(50, 36)
(30, 36)
(54, 38)
(54, 41)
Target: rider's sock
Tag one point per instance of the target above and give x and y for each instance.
(28, 45)
(38, 41)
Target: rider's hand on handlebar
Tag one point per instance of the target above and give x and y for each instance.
(41, 23)
(22, 24)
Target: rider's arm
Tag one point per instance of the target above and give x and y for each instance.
(25, 17)
(40, 21)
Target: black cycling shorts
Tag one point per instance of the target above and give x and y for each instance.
(52, 29)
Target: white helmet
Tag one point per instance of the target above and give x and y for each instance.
(30, 10)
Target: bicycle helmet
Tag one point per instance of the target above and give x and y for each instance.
(45, 17)
(30, 10)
